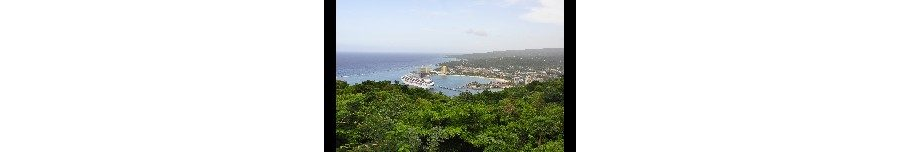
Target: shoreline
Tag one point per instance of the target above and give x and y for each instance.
(495, 79)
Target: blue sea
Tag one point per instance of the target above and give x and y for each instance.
(356, 67)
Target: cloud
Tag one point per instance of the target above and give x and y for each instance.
(549, 11)
(476, 32)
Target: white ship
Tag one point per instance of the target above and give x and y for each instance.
(420, 79)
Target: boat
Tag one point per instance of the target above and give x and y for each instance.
(419, 79)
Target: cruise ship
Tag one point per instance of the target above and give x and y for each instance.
(420, 79)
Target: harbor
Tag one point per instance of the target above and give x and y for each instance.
(422, 78)
(450, 85)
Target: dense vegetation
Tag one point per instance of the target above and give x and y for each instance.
(546, 52)
(387, 116)
(535, 59)
(511, 64)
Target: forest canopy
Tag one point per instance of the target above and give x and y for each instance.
(388, 116)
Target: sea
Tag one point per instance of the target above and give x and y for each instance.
(356, 67)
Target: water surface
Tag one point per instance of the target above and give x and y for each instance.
(356, 67)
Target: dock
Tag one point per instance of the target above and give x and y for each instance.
(448, 88)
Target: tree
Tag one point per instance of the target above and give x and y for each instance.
(385, 116)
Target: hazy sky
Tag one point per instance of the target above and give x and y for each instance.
(448, 26)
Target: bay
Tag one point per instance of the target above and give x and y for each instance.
(356, 67)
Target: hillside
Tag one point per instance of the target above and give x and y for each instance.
(546, 52)
(517, 66)
(386, 116)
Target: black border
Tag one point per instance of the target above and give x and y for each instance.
(330, 74)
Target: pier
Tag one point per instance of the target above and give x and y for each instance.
(448, 88)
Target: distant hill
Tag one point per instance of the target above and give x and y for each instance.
(517, 66)
(546, 52)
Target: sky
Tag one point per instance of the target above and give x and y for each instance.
(448, 26)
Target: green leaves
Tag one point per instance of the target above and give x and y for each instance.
(383, 116)
(553, 146)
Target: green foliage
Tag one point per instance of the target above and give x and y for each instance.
(385, 116)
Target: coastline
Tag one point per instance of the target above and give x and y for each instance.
(495, 79)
